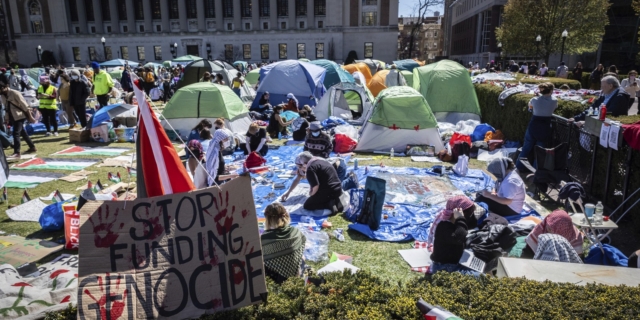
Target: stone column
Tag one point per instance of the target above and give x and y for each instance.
(237, 16)
(311, 21)
(292, 15)
(148, 19)
(164, 11)
(219, 18)
(97, 16)
(182, 9)
(82, 17)
(202, 25)
(115, 19)
(255, 15)
(273, 18)
(131, 18)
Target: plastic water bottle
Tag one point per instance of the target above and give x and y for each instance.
(598, 214)
(355, 164)
(590, 113)
(392, 153)
(596, 111)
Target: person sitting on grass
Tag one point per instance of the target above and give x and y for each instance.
(195, 135)
(448, 235)
(282, 245)
(557, 223)
(318, 142)
(256, 140)
(229, 145)
(278, 125)
(325, 186)
(300, 126)
(511, 190)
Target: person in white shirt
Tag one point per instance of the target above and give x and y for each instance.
(562, 71)
(631, 85)
(511, 190)
(394, 78)
(544, 71)
(524, 68)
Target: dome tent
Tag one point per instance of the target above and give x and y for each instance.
(194, 71)
(335, 103)
(252, 76)
(447, 87)
(377, 83)
(400, 116)
(334, 74)
(205, 100)
(406, 65)
(361, 67)
(303, 79)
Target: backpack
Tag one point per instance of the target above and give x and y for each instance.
(374, 193)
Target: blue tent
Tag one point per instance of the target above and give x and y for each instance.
(406, 64)
(109, 112)
(303, 79)
(335, 74)
(118, 63)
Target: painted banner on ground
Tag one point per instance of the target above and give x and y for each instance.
(173, 256)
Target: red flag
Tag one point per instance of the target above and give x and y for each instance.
(163, 172)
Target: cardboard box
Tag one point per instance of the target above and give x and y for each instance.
(79, 135)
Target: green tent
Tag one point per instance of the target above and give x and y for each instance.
(167, 64)
(335, 74)
(205, 100)
(187, 58)
(408, 76)
(116, 74)
(447, 87)
(34, 73)
(253, 76)
(304, 60)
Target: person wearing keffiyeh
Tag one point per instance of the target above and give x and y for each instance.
(215, 162)
(558, 222)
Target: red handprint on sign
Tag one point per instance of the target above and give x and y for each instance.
(105, 233)
(213, 259)
(117, 303)
(223, 208)
(157, 228)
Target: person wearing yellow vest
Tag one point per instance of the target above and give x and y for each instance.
(237, 83)
(48, 105)
(102, 84)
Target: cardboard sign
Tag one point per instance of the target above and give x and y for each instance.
(173, 256)
(16, 251)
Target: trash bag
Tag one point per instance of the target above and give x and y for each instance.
(462, 166)
(466, 127)
(316, 248)
(52, 218)
(344, 143)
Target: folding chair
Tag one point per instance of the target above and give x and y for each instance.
(552, 168)
(574, 194)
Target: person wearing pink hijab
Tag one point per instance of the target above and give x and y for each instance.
(558, 222)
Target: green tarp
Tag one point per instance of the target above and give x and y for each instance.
(187, 58)
(402, 107)
(253, 76)
(447, 87)
(204, 100)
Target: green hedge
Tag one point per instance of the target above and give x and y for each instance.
(364, 296)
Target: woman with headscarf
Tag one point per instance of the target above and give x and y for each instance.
(215, 161)
(559, 223)
(447, 236)
(508, 197)
(292, 103)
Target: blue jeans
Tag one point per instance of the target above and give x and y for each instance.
(450, 267)
(529, 143)
(341, 169)
(237, 91)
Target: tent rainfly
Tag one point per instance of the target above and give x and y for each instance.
(194, 71)
(335, 74)
(337, 103)
(303, 79)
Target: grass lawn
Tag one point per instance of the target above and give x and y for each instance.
(381, 258)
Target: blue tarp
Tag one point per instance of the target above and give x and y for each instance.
(108, 112)
(406, 64)
(304, 80)
(335, 74)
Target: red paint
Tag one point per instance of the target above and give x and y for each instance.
(104, 233)
(417, 128)
(66, 299)
(157, 228)
(394, 127)
(238, 276)
(21, 284)
(222, 209)
(217, 303)
(56, 273)
(117, 307)
(245, 213)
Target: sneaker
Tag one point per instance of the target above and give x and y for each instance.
(55, 134)
(14, 156)
(32, 150)
(47, 134)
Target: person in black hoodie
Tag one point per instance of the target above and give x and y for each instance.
(78, 94)
(125, 81)
(614, 97)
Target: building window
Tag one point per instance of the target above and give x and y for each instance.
(156, 10)
(138, 10)
(158, 28)
(174, 12)
(106, 11)
(77, 29)
(319, 50)
(157, 52)
(192, 9)
(369, 2)
(108, 29)
(141, 53)
(247, 26)
(369, 18)
(227, 8)
(435, 45)
(92, 54)
(282, 49)
(264, 51)
(435, 34)
(35, 15)
(88, 10)
(245, 8)
(108, 53)
(283, 25)
(229, 26)
(301, 8)
(320, 7)
(246, 51)
(265, 26)
(368, 49)
(301, 24)
(76, 54)
(210, 8)
(73, 9)
(141, 27)
(265, 8)
(125, 52)
(283, 8)
(122, 10)
(320, 24)
(125, 29)
(228, 52)
(302, 51)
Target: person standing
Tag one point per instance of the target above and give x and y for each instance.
(596, 77)
(14, 81)
(48, 95)
(78, 94)
(539, 129)
(125, 81)
(631, 85)
(562, 71)
(613, 71)
(394, 78)
(577, 72)
(17, 112)
(237, 83)
(65, 90)
(102, 84)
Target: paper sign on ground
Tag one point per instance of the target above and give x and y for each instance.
(485, 155)
(173, 256)
(604, 135)
(28, 211)
(338, 266)
(296, 200)
(425, 159)
(16, 250)
(50, 289)
(416, 257)
(614, 133)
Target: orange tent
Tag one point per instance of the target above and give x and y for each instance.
(362, 67)
(377, 83)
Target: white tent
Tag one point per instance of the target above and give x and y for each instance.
(400, 116)
(334, 103)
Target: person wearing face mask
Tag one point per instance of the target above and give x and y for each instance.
(256, 140)
(47, 94)
(631, 85)
(78, 94)
(17, 112)
(317, 142)
(277, 125)
(511, 190)
(229, 146)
